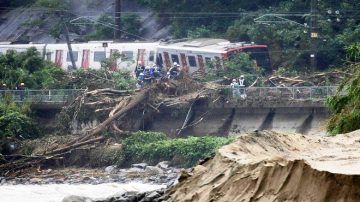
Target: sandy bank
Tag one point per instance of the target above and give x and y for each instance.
(270, 166)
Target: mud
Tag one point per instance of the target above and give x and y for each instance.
(270, 166)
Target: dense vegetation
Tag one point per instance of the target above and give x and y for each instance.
(29, 68)
(289, 42)
(15, 120)
(345, 105)
(153, 147)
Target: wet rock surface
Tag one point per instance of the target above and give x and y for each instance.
(153, 196)
(159, 174)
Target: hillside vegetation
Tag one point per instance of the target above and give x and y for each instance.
(288, 35)
(345, 105)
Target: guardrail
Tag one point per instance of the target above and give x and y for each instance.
(283, 93)
(58, 96)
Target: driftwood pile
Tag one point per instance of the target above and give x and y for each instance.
(121, 103)
(319, 79)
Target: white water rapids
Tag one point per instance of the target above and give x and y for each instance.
(56, 192)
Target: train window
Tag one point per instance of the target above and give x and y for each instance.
(192, 61)
(175, 58)
(207, 60)
(99, 56)
(48, 56)
(75, 54)
(159, 60)
(128, 55)
(151, 56)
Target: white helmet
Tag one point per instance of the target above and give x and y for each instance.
(147, 67)
(234, 80)
(242, 76)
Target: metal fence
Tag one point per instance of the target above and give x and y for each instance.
(284, 93)
(57, 96)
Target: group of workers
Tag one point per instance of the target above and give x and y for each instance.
(147, 74)
(20, 90)
(21, 86)
(238, 87)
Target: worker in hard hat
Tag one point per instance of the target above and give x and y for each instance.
(139, 68)
(21, 89)
(174, 70)
(235, 88)
(242, 87)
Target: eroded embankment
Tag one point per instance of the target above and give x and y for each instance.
(268, 166)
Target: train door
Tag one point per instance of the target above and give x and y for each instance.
(183, 62)
(140, 57)
(201, 63)
(59, 57)
(192, 63)
(167, 60)
(85, 59)
(159, 60)
(114, 62)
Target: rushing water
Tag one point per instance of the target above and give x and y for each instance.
(56, 192)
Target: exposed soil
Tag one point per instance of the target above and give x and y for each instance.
(270, 166)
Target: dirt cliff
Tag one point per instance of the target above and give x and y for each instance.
(270, 166)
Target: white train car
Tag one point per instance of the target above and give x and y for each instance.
(190, 54)
(90, 55)
(5, 46)
(194, 54)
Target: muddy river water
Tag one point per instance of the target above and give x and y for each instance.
(56, 192)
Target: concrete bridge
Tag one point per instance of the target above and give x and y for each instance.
(290, 109)
(229, 111)
(42, 99)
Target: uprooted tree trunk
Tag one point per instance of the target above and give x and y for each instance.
(89, 137)
(120, 104)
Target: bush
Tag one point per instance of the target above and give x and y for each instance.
(154, 147)
(15, 122)
(29, 68)
(345, 108)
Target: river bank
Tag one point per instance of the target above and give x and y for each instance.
(57, 192)
(56, 184)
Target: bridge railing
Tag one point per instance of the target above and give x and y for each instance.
(57, 96)
(283, 93)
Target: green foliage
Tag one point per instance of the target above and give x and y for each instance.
(345, 105)
(234, 66)
(53, 4)
(104, 27)
(12, 3)
(29, 68)
(353, 52)
(155, 147)
(131, 23)
(199, 32)
(14, 120)
(289, 43)
(123, 80)
(105, 156)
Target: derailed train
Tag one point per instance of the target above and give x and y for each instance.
(190, 54)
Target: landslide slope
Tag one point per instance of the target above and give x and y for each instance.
(270, 166)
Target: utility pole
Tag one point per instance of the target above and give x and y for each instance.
(117, 33)
(313, 34)
(69, 46)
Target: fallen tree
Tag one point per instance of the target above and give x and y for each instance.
(113, 105)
